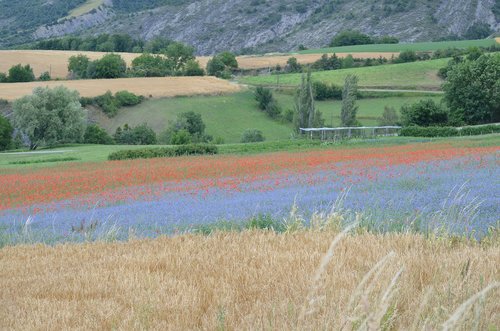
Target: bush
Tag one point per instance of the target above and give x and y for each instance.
(324, 91)
(107, 103)
(6, 131)
(45, 76)
(187, 128)
(192, 68)
(126, 99)
(149, 153)
(18, 74)
(96, 135)
(447, 131)
(140, 135)
(3, 78)
(264, 96)
(252, 136)
(110, 104)
(407, 56)
(292, 65)
(348, 38)
(424, 113)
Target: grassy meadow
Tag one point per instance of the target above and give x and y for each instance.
(88, 6)
(415, 75)
(240, 109)
(370, 109)
(418, 47)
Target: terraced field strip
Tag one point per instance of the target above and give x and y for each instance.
(154, 87)
(418, 47)
(421, 75)
(257, 62)
(56, 62)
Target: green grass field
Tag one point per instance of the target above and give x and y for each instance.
(225, 116)
(85, 8)
(415, 75)
(418, 47)
(369, 109)
(228, 116)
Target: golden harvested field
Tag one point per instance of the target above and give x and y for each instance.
(56, 62)
(156, 87)
(253, 280)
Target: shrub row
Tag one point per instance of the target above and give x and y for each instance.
(447, 131)
(110, 103)
(149, 153)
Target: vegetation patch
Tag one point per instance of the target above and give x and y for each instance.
(448, 131)
(150, 153)
(51, 160)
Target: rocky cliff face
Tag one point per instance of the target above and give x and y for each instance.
(265, 25)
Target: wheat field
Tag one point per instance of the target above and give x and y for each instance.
(253, 280)
(149, 87)
(56, 62)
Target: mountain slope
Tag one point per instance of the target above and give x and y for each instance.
(257, 25)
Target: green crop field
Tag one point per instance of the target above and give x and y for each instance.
(418, 47)
(415, 75)
(225, 116)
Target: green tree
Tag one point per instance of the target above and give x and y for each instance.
(349, 97)
(19, 73)
(78, 65)
(179, 54)
(45, 76)
(215, 67)
(110, 66)
(348, 38)
(50, 117)
(305, 113)
(192, 68)
(97, 135)
(188, 122)
(229, 60)
(222, 65)
(424, 113)
(478, 31)
(148, 65)
(267, 102)
(6, 131)
(292, 65)
(472, 91)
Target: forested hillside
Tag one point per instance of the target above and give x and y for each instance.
(249, 26)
